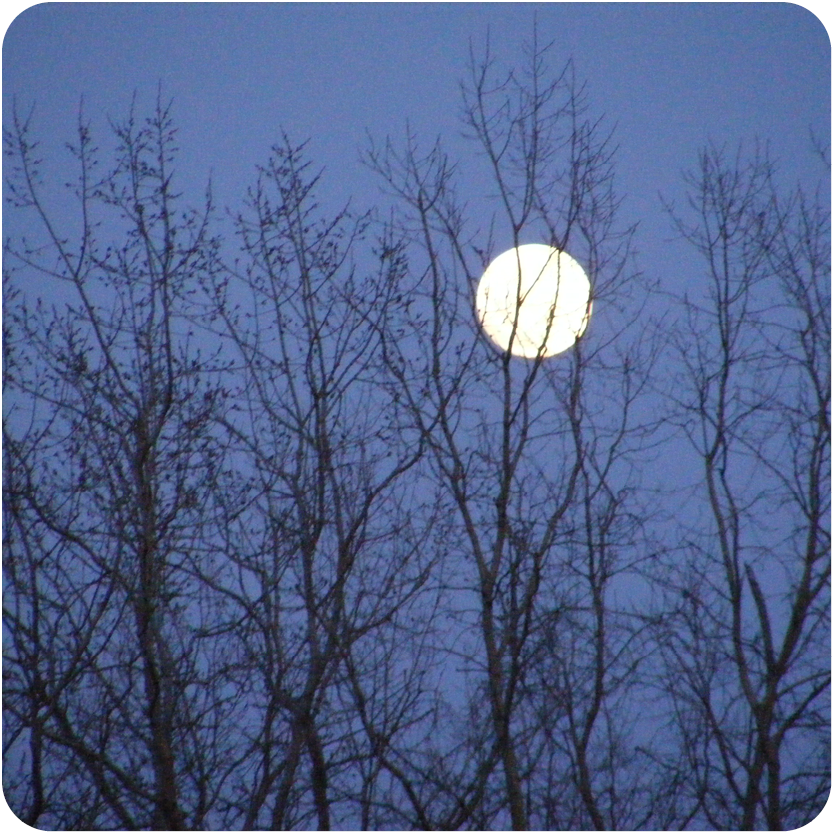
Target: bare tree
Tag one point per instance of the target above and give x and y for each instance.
(530, 467)
(325, 559)
(109, 458)
(748, 647)
(212, 568)
(289, 542)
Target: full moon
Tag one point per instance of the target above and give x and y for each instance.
(538, 293)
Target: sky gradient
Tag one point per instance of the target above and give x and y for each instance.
(668, 78)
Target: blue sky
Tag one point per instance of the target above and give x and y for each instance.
(668, 76)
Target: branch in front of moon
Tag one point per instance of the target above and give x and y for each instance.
(534, 300)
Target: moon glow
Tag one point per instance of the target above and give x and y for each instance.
(534, 299)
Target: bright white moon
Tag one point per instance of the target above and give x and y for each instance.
(538, 293)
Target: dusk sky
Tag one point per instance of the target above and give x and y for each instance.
(667, 78)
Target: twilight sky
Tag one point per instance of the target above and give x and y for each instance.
(669, 76)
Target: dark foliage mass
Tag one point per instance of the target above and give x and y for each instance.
(289, 544)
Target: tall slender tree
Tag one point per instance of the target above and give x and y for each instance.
(748, 643)
(290, 543)
(528, 466)
(325, 556)
(110, 459)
